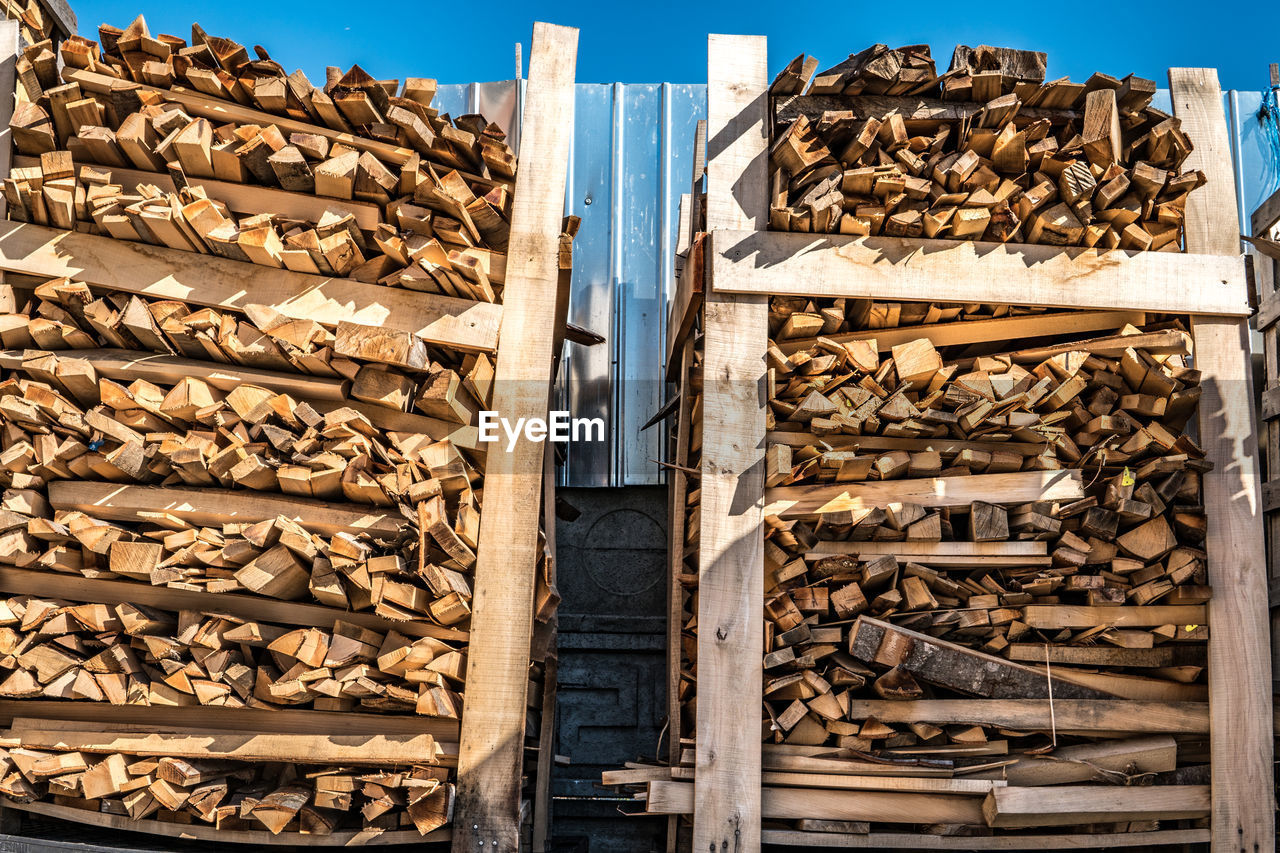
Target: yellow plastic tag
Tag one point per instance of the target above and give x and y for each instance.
(1126, 479)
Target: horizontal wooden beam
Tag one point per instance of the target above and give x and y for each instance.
(163, 273)
(912, 841)
(216, 507)
(1019, 328)
(331, 748)
(827, 804)
(841, 782)
(252, 607)
(788, 502)
(940, 554)
(215, 835)
(1057, 616)
(825, 265)
(1012, 807)
(284, 721)
(1067, 715)
(245, 199)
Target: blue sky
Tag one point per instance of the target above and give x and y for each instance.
(665, 40)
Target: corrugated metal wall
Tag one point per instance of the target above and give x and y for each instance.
(631, 161)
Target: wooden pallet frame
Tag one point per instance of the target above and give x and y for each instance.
(742, 267)
(525, 332)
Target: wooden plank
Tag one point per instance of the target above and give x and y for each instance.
(1240, 738)
(220, 283)
(1016, 328)
(1026, 807)
(677, 494)
(361, 750)
(834, 781)
(255, 608)
(731, 538)
(958, 667)
(1265, 216)
(1013, 549)
(788, 502)
(827, 804)
(1073, 715)
(273, 721)
(687, 301)
(1081, 762)
(492, 747)
(214, 835)
(246, 199)
(1159, 656)
(912, 841)
(1133, 616)
(215, 507)
(911, 445)
(822, 265)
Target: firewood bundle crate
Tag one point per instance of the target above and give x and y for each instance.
(966, 546)
(260, 580)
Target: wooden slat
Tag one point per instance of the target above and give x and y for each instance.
(215, 507)
(1067, 715)
(1265, 216)
(1076, 804)
(912, 841)
(487, 809)
(1240, 740)
(828, 804)
(245, 199)
(9, 48)
(839, 782)
(213, 835)
(28, 582)
(220, 283)
(1132, 616)
(283, 721)
(825, 265)
(956, 492)
(677, 494)
(731, 537)
(985, 331)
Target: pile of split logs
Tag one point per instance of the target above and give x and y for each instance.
(961, 542)
(264, 523)
(201, 148)
(882, 144)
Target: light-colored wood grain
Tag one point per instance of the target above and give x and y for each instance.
(1018, 328)
(911, 841)
(1265, 215)
(9, 48)
(252, 607)
(731, 539)
(219, 283)
(677, 493)
(215, 507)
(911, 445)
(828, 804)
(1241, 742)
(955, 492)
(363, 750)
(70, 715)
(213, 835)
(920, 270)
(1073, 715)
(493, 719)
(839, 782)
(1084, 616)
(1012, 807)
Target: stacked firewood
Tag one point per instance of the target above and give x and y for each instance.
(362, 178)
(882, 144)
(230, 510)
(228, 781)
(131, 654)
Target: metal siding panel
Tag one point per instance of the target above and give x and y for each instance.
(586, 381)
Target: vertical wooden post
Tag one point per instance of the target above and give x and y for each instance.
(8, 83)
(490, 755)
(1240, 722)
(731, 544)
